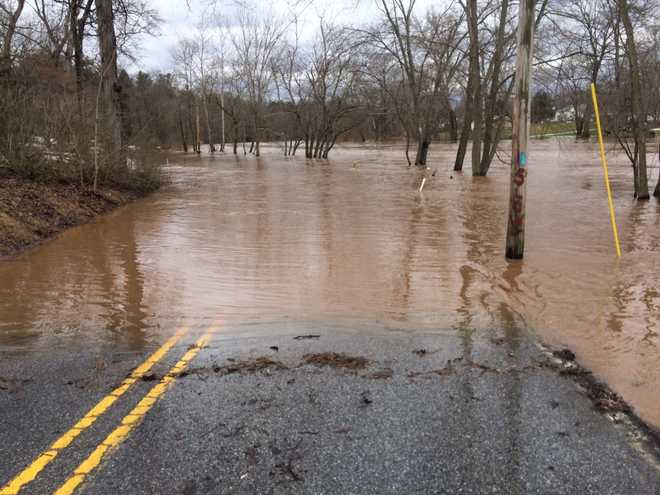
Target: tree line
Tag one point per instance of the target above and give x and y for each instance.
(246, 75)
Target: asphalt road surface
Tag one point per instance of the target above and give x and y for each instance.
(310, 409)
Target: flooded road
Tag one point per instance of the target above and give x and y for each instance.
(352, 242)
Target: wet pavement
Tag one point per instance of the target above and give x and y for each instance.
(427, 413)
(349, 250)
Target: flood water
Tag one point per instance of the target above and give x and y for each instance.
(351, 242)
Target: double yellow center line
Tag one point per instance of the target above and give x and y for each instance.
(122, 431)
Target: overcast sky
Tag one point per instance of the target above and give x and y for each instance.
(154, 52)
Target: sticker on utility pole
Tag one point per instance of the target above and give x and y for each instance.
(522, 159)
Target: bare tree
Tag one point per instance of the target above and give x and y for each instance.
(11, 14)
(586, 30)
(639, 111)
(204, 66)
(184, 57)
(255, 43)
(79, 16)
(320, 84)
(489, 84)
(426, 51)
(53, 16)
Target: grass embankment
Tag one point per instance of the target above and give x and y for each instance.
(33, 210)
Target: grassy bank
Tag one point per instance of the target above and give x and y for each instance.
(32, 210)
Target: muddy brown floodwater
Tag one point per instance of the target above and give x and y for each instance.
(351, 242)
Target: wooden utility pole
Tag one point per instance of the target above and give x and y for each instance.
(515, 232)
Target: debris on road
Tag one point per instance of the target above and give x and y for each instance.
(250, 366)
(447, 370)
(336, 360)
(305, 337)
(366, 398)
(382, 374)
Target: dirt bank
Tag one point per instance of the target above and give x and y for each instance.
(32, 211)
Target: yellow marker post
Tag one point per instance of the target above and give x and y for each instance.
(615, 231)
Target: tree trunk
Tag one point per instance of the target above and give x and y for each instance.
(578, 122)
(77, 23)
(408, 147)
(198, 138)
(515, 234)
(586, 118)
(208, 124)
(8, 36)
(257, 127)
(329, 145)
(638, 109)
(476, 134)
(491, 135)
(111, 89)
(77, 67)
(222, 121)
(476, 85)
(656, 192)
(235, 127)
(466, 128)
(422, 152)
(77, 42)
(184, 144)
(465, 131)
(319, 144)
(453, 126)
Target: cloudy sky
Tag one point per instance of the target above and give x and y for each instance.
(154, 52)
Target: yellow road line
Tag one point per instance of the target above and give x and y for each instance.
(131, 420)
(31, 472)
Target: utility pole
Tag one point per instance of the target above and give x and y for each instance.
(515, 232)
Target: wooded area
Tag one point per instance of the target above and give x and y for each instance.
(245, 75)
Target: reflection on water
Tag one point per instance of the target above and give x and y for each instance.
(351, 241)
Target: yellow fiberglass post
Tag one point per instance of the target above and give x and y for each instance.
(607, 177)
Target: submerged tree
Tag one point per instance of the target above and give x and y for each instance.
(426, 51)
(255, 41)
(321, 86)
(638, 110)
